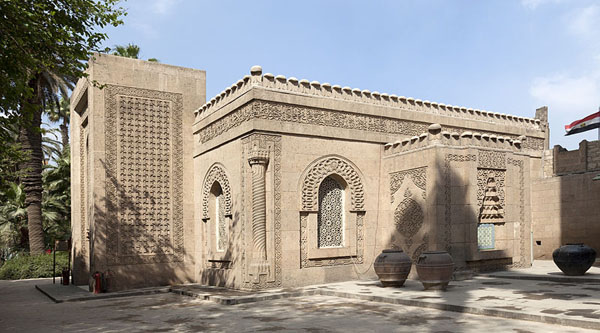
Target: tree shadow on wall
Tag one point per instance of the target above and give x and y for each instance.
(217, 272)
(133, 242)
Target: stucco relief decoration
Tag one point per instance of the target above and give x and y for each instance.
(144, 177)
(216, 174)
(521, 223)
(408, 196)
(325, 167)
(312, 116)
(273, 144)
(83, 188)
(498, 178)
(417, 175)
(491, 159)
(492, 210)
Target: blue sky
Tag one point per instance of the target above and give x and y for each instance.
(508, 56)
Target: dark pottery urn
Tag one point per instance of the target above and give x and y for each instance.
(392, 267)
(574, 259)
(435, 269)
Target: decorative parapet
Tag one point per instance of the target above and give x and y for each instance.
(314, 88)
(435, 136)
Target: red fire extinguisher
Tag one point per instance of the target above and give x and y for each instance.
(97, 282)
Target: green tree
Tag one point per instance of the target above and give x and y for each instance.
(43, 45)
(56, 206)
(130, 51)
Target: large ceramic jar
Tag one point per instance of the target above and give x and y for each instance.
(392, 267)
(574, 259)
(435, 269)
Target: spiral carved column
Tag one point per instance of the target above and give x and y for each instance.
(258, 159)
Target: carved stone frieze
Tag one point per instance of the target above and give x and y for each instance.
(269, 110)
(492, 159)
(216, 173)
(144, 175)
(325, 167)
(307, 115)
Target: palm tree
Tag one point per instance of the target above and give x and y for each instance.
(130, 51)
(46, 87)
(56, 206)
(127, 51)
(61, 113)
(13, 216)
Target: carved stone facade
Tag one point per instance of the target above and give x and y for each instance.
(279, 183)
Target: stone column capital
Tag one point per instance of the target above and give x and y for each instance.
(258, 156)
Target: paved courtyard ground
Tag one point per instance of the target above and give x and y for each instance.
(26, 309)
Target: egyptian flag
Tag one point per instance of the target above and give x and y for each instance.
(590, 122)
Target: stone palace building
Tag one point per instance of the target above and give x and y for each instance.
(279, 182)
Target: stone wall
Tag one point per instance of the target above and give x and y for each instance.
(584, 159)
(565, 207)
(132, 205)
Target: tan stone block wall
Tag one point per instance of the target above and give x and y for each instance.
(593, 155)
(564, 210)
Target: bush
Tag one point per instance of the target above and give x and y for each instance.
(24, 266)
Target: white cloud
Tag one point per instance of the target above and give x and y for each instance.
(583, 22)
(147, 30)
(533, 4)
(569, 98)
(162, 7)
(568, 93)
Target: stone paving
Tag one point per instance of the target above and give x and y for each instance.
(495, 304)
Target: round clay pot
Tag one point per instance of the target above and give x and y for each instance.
(435, 269)
(392, 267)
(574, 259)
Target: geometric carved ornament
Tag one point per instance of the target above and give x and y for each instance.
(216, 174)
(328, 166)
(491, 209)
(144, 175)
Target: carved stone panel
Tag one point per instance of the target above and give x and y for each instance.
(272, 144)
(483, 176)
(328, 166)
(408, 197)
(216, 173)
(491, 159)
(144, 175)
